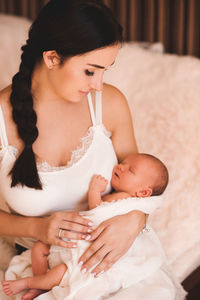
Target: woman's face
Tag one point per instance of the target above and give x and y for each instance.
(78, 75)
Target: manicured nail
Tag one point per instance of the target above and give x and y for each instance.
(89, 230)
(80, 263)
(84, 271)
(101, 272)
(74, 246)
(88, 237)
(90, 224)
(83, 236)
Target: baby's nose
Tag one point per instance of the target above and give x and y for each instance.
(122, 167)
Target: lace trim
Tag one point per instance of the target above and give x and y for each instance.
(80, 151)
(76, 154)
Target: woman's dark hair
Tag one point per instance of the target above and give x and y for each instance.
(70, 27)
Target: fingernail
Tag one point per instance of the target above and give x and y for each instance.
(90, 224)
(101, 273)
(84, 271)
(83, 236)
(88, 237)
(89, 230)
(80, 263)
(74, 246)
(82, 214)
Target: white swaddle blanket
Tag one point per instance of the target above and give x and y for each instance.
(144, 261)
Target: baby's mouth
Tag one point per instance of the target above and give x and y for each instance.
(115, 173)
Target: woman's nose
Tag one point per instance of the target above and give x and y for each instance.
(97, 83)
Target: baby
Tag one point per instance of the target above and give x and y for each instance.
(138, 175)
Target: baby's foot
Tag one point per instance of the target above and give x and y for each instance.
(31, 294)
(13, 287)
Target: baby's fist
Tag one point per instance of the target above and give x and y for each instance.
(98, 183)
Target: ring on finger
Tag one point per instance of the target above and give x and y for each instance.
(59, 234)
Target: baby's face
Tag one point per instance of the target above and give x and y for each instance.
(132, 175)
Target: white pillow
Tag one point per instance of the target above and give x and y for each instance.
(13, 34)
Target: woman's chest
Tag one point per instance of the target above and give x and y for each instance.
(64, 189)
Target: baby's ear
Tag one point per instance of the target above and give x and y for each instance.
(144, 193)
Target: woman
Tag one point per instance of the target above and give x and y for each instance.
(44, 116)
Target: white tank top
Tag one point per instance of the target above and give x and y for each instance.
(64, 188)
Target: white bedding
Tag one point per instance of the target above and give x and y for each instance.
(142, 269)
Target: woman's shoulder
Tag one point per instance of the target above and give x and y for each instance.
(114, 104)
(5, 96)
(11, 130)
(4, 102)
(112, 95)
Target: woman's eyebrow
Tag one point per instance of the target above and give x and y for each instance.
(98, 66)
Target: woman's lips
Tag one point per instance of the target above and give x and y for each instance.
(84, 93)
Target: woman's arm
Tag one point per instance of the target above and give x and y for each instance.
(46, 229)
(113, 238)
(117, 119)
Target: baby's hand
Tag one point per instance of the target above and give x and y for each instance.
(98, 183)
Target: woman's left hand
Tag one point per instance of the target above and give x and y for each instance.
(111, 239)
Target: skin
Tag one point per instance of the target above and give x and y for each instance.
(58, 104)
(135, 175)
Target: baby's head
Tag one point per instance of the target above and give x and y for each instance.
(140, 175)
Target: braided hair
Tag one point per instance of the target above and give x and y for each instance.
(70, 27)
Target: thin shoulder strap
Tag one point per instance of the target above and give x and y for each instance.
(3, 136)
(91, 109)
(98, 107)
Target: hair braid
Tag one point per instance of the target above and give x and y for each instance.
(24, 171)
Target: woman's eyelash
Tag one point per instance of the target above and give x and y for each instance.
(88, 73)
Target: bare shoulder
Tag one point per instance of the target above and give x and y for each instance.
(11, 129)
(115, 105)
(4, 102)
(113, 96)
(5, 96)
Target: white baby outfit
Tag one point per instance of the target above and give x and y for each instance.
(144, 262)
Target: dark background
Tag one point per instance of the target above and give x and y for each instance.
(175, 23)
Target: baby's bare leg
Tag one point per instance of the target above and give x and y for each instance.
(43, 282)
(39, 253)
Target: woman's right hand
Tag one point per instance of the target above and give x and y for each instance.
(69, 225)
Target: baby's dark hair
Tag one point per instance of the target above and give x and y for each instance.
(163, 175)
(70, 27)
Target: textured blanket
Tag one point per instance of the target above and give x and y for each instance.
(143, 268)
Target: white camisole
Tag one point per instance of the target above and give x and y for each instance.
(64, 188)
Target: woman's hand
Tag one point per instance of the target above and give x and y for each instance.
(111, 240)
(68, 225)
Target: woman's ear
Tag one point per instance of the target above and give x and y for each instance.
(51, 59)
(144, 193)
